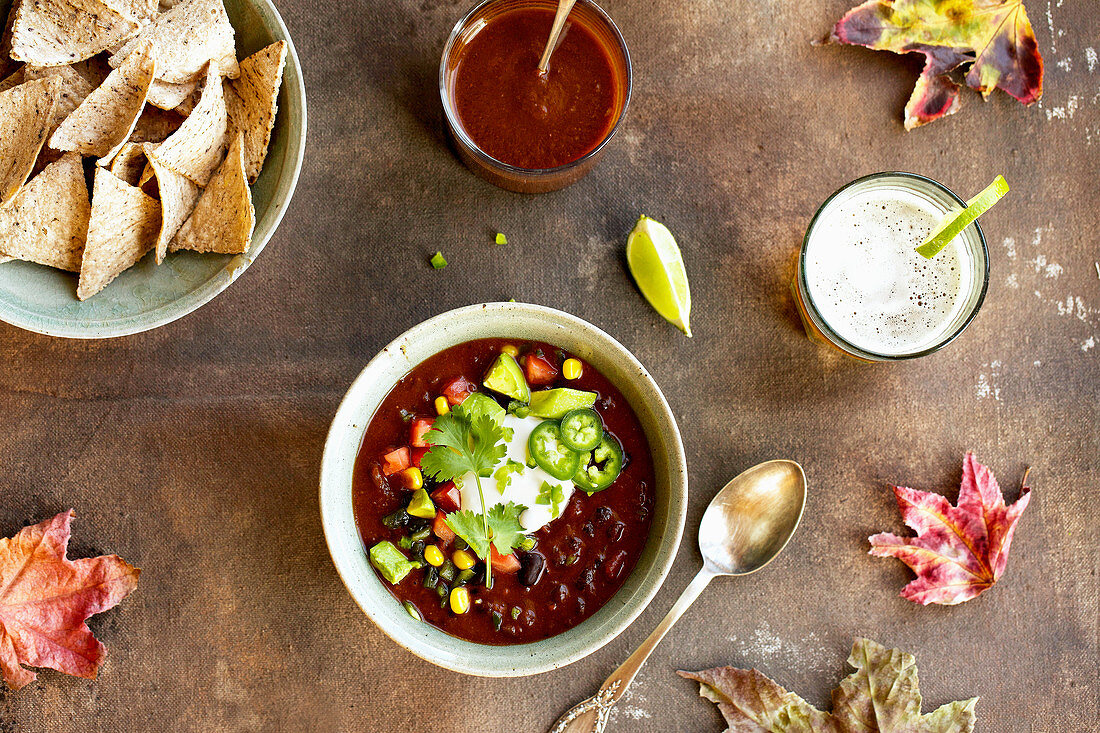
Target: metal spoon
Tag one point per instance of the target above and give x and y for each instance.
(746, 525)
(564, 6)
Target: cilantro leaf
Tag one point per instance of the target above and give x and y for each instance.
(468, 525)
(463, 445)
(504, 528)
(470, 441)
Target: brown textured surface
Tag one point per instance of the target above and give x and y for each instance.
(193, 451)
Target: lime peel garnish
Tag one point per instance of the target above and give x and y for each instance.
(953, 225)
(655, 262)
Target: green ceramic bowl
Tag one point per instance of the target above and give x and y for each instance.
(520, 321)
(146, 296)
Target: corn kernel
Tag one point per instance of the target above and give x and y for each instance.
(442, 407)
(433, 555)
(572, 369)
(511, 351)
(412, 479)
(463, 560)
(460, 600)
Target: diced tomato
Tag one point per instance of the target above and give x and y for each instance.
(440, 528)
(503, 563)
(395, 460)
(420, 427)
(416, 454)
(539, 370)
(458, 389)
(447, 497)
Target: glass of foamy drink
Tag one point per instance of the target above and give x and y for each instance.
(862, 288)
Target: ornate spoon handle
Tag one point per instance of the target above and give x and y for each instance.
(591, 715)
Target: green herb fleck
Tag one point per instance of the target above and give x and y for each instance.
(501, 239)
(503, 474)
(439, 261)
(553, 495)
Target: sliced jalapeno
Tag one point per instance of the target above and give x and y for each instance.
(602, 466)
(550, 453)
(582, 429)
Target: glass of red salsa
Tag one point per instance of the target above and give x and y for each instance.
(522, 130)
(571, 483)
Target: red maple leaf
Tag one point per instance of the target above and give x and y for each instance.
(45, 599)
(959, 551)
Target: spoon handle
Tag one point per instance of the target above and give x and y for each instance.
(591, 715)
(564, 7)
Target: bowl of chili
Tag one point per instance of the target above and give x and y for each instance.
(621, 514)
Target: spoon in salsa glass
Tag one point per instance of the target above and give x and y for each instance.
(564, 7)
(745, 526)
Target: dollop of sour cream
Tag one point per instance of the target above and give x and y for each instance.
(523, 486)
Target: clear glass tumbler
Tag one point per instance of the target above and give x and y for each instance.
(973, 281)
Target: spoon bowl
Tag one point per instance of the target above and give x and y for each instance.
(752, 518)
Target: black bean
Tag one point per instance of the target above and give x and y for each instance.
(603, 514)
(586, 577)
(531, 568)
(589, 529)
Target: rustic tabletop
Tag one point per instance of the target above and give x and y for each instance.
(193, 451)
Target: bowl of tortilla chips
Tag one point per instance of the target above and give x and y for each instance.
(148, 151)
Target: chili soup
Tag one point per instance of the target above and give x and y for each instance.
(553, 452)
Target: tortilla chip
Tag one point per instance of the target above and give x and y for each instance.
(170, 96)
(187, 106)
(59, 32)
(122, 228)
(142, 11)
(178, 195)
(16, 78)
(186, 38)
(129, 163)
(223, 218)
(155, 125)
(252, 103)
(197, 147)
(74, 89)
(47, 221)
(104, 121)
(25, 114)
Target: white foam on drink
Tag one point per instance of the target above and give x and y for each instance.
(871, 287)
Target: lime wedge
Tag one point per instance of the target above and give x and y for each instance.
(955, 222)
(658, 268)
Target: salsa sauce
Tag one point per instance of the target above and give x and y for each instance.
(527, 119)
(589, 550)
